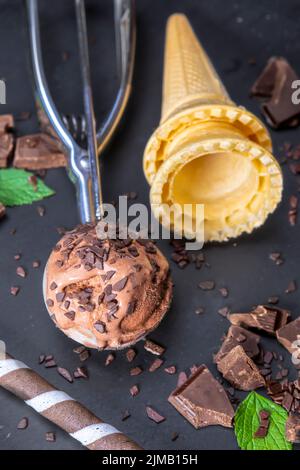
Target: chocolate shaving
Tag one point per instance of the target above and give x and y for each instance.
(154, 415)
(65, 374)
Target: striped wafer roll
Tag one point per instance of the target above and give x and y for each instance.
(60, 408)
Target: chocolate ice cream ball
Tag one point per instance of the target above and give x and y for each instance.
(106, 294)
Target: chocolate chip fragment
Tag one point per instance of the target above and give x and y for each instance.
(23, 423)
(224, 292)
(154, 415)
(65, 374)
(118, 286)
(292, 287)
(50, 437)
(130, 354)
(202, 400)
(49, 302)
(14, 290)
(36, 264)
(126, 415)
(41, 210)
(134, 391)
(136, 371)
(84, 355)
(224, 312)
(131, 307)
(21, 271)
(155, 365)
(207, 285)
(170, 370)
(60, 296)
(154, 348)
(100, 327)
(70, 315)
(2, 210)
(53, 286)
(42, 358)
(199, 311)
(51, 363)
(81, 372)
(264, 418)
(109, 359)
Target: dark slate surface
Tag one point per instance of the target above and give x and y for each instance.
(232, 32)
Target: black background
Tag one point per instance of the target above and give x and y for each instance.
(232, 33)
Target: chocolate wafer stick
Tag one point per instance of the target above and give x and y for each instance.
(60, 408)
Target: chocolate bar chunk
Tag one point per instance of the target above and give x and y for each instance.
(292, 428)
(240, 370)
(6, 139)
(38, 152)
(288, 334)
(239, 336)
(202, 400)
(268, 319)
(265, 83)
(275, 83)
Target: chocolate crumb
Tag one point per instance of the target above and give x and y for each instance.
(153, 348)
(170, 370)
(136, 371)
(14, 290)
(130, 354)
(21, 271)
(207, 285)
(154, 415)
(155, 365)
(41, 210)
(65, 374)
(50, 436)
(110, 358)
(81, 372)
(23, 423)
(134, 391)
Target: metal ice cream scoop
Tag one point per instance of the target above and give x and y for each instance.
(83, 162)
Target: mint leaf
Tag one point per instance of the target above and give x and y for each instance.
(247, 422)
(15, 189)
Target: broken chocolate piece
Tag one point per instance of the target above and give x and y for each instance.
(207, 285)
(23, 423)
(65, 374)
(239, 336)
(130, 354)
(292, 428)
(38, 151)
(155, 364)
(202, 400)
(50, 436)
(2, 210)
(264, 423)
(134, 391)
(268, 319)
(154, 415)
(280, 110)
(289, 334)
(240, 370)
(153, 348)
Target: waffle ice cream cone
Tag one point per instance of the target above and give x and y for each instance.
(207, 150)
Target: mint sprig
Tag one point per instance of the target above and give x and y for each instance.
(247, 422)
(16, 189)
